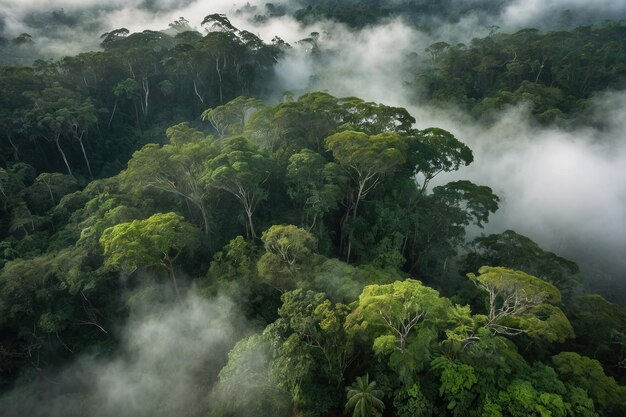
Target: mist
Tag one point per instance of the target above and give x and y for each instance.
(68, 27)
(170, 355)
(564, 187)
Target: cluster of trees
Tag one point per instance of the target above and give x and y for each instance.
(316, 215)
(94, 109)
(556, 72)
(425, 14)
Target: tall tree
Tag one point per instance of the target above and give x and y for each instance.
(175, 169)
(240, 169)
(367, 160)
(156, 241)
(521, 303)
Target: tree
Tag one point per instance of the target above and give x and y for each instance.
(393, 312)
(312, 183)
(319, 324)
(58, 111)
(521, 303)
(600, 328)
(53, 185)
(433, 151)
(367, 160)
(586, 373)
(288, 257)
(158, 240)
(240, 169)
(176, 168)
(363, 399)
(442, 217)
(373, 118)
(230, 119)
(515, 251)
(249, 368)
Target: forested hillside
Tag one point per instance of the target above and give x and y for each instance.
(179, 238)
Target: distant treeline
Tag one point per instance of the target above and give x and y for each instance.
(94, 109)
(555, 72)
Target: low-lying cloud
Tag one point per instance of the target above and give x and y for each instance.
(563, 187)
(170, 356)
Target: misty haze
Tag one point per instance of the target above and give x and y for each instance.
(312, 208)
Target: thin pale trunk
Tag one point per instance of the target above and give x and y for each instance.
(219, 75)
(249, 213)
(195, 89)
(62, 154)
(146, 89)
(354, 211)
(51, 195)
(15, 149)
(82, 147)
(137, 115)
(205, 219)
(5, 197)
(543, 61)
(112, 114)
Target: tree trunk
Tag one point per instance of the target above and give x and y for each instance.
(195, 89)
(112, 114)
(15, 150)
(146, 88)
(205, 219)
(82, 147)
(137, 115)
(54, 203)
(219, 75)
(249, 213)
(67, 165)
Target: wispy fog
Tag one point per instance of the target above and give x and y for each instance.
(170, 356)
(65, 27)
(563, 187)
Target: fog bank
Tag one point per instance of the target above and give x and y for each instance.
(170, 356)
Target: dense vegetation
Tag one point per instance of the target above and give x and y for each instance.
(556, 72)
(96, 108)
(316, 215)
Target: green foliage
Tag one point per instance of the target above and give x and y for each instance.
(457, 381)
(174, 170)
(247, 370)
(521, 303)
(412, 402)
(600, 328)
(550, 72)
(392, 313)
(156, 241)
(289, 256)
(586, 373)
(363, 399)
(241, 170)
(516, 251)
(312, 184)
(319, 325)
